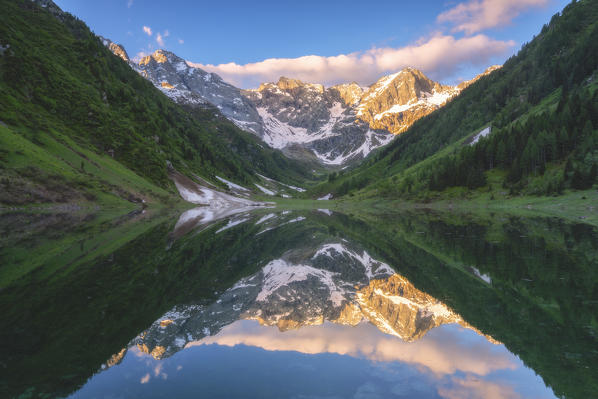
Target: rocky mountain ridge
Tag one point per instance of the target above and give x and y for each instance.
(338, 124)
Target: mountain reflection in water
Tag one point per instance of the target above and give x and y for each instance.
(307, 304)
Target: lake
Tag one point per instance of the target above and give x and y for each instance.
(297, 304)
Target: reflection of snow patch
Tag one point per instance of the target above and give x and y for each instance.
(264, 218)
(373, 268)
(232, 223)
(484, 277)
(279, 273)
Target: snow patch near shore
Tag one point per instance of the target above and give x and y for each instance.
(215, 204)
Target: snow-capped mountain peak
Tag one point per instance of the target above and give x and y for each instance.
(338, 124)
(395, 101)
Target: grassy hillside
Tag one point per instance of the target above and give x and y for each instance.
(542, 107)
(86, 124)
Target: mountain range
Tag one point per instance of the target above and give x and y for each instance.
(336, 125)
(77, 121)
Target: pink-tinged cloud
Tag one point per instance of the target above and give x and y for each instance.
(439, 57)
(160, 40)
(477, 15)
(147, 30)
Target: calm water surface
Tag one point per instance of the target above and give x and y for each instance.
(311, 304)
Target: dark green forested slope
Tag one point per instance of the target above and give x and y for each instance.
(74, 119)
(542, 107)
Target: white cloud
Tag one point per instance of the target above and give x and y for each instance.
(129, 3)
(145, 379)
(181, 41)
(439, 56)
(160, 40)
(147, 30)
(477, 15)
(166, 33)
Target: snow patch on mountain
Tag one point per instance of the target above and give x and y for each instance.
(372, 268)
(429, 99)
(372, 141)
(265, 190)
(483, 133)
(231, 185)
(278, 134)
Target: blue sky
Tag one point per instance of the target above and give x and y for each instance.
(248, 42)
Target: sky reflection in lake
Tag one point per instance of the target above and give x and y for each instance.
(246, 359)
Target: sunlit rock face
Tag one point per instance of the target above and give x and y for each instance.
(336, 283)
(396, 101)
(116, 49)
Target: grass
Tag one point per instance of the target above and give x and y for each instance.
(53, 167)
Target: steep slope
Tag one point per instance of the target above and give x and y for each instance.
(528, 127)
(396, 101)
(192, 86)
(65, 94)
